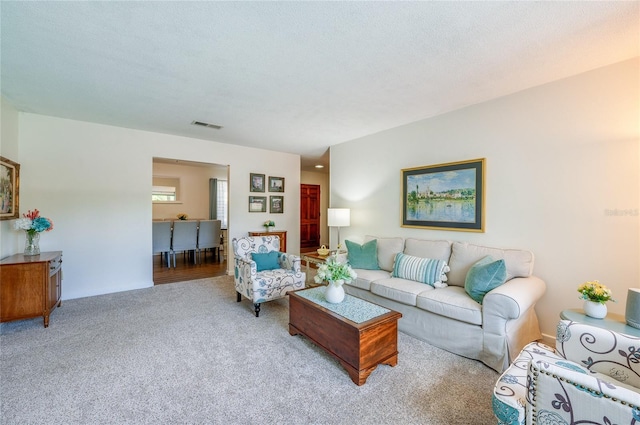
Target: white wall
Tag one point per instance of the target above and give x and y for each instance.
(194, 189)
(94, 182)
(559, 159)
(9, 134)
(322, 180)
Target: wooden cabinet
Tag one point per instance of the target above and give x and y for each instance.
(282, 234)
(30, 286)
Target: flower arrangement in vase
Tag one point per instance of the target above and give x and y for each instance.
(337, 274)
(267, 224)
(33, 224)
(595, 295)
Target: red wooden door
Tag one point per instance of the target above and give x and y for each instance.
(309, 215)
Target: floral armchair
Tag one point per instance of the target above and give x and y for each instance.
(279, 272)
(592, 377)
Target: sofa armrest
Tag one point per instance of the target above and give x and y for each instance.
(511, 300)
(600, 350)
(246, 267)
(290, 262)
(566, 394)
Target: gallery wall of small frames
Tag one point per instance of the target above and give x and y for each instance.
(258, 183)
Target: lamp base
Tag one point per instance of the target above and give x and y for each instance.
(632, 314)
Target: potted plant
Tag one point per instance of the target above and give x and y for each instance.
(595, 295)
(336, 274)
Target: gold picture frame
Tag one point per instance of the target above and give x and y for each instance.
(444, 196)
(9, 189)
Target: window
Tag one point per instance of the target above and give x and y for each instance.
(222, 212)
(163, 193)
(165, 189)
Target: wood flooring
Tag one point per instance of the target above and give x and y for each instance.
(186, 270)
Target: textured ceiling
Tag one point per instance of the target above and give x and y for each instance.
(295, 76)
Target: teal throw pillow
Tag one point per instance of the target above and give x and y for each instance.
(363, 256)
(483, 276)
(266, 261)
(424, 270)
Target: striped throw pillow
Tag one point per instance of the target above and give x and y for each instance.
(425, 270)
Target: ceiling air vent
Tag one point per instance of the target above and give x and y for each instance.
(205, 124)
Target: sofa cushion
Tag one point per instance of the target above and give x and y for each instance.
(439, 250)
(519, 262)
(387, 250)
(452, 302)
(401, 290)
(483, 276)
(424, 270)
(363, 256)
(365, 277)
(266, 260)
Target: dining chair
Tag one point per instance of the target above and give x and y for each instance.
(162, 239)
(185, 238)
(209, 237)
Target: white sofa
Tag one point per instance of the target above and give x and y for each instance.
(493, 332)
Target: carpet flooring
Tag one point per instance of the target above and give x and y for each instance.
(187, 353)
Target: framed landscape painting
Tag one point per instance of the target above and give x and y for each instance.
(9, 189)
(444, 196)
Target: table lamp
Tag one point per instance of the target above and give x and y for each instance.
(338, 217)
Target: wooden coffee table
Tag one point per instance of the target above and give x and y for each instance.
(359, 346)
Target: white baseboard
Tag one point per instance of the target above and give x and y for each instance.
(549, 340)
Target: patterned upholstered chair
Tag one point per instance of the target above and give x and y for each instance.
(262, 273)
(592, 377)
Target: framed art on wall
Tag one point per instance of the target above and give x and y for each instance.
(276, 184)
(256, 182)
(257, 204)
(9, 189)
(276, 204)
(444, 196)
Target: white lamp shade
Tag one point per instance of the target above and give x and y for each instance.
(338, 217)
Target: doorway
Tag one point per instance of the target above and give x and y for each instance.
(193, 185)
(309, 216)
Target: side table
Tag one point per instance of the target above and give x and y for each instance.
(313, 257)
(613, 322)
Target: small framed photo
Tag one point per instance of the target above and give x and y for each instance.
(276, 205)
(256, 182)
(9, 189)
(276, 184)
(257, 204)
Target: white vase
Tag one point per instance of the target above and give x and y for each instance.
(595, 310)
(334, 293)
